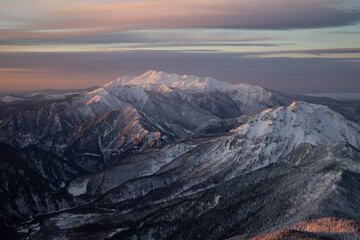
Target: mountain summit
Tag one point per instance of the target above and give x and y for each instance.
(157, 78)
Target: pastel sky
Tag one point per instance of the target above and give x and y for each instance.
(304, 46)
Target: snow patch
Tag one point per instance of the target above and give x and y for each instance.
(91, 154)
(77, 189)
(118, 230)
(8, 99)
(68, 220)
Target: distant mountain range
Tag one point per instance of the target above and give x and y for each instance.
(163, 156)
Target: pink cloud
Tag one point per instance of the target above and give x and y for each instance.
(55, 19)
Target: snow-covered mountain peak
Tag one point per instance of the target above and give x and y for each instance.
(301, 109)
(248, 99)
(280, 130)
(154, 79)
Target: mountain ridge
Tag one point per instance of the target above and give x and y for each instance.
(177, 157)
(158, 78)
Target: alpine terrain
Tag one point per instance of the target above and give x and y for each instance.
(164, 156)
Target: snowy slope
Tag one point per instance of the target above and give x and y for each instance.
(275, 132)
(138, 112)
(131, 114)
(280, 167)
(259, 142)
(248, 99)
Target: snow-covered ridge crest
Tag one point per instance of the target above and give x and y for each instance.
(137, 91)
(153, 78)
(297, 123)
(135, 88)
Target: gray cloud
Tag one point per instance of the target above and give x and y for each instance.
(344, 32)
(86, 19)
(149, 39)
(316, 52)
